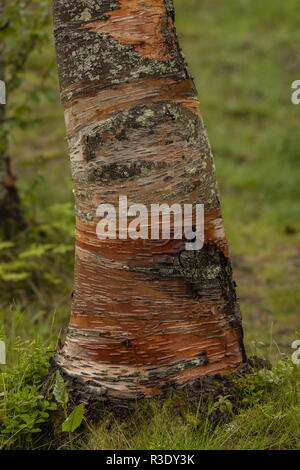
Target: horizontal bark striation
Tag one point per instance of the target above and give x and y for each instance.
(146, 313)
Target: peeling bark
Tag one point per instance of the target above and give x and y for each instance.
(146, 313)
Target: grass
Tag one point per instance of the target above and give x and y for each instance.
(244, 57)
(271, 424)
(258, 411)
(269, 411)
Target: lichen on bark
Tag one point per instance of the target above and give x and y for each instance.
(146, 313)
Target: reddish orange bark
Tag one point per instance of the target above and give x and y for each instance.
(146, 314)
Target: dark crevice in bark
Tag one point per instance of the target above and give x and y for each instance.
(114, 171)
(204, 270)
(170, 8)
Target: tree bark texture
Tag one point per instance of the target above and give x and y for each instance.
(146, 314)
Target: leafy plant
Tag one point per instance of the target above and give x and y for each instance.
(38, 257)
(75, 418)
(25, 405)
(60, 391)
(255, 386)
(23, 28)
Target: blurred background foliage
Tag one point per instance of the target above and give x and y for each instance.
(244, 56)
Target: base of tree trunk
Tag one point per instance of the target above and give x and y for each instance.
(207, 386)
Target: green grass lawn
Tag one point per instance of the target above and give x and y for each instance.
(244, 55)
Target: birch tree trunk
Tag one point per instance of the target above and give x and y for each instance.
(147, 314)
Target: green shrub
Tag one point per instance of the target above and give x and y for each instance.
(41, 257)
(25, 401)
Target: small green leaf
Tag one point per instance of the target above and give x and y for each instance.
(60, 390)
(74, 420)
